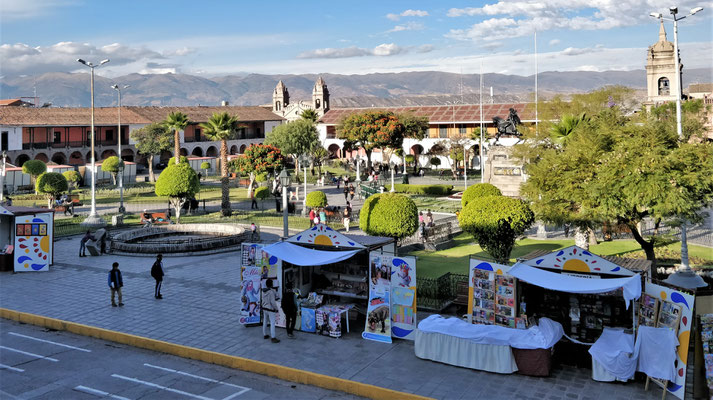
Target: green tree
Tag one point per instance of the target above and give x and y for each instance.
(73, 178)
(435, 161)
(51, 184)
(205, 166)
(294, 138)
(389, 214)
(112, 165)
(310, 115)
(262, 193)
(319, 156)
(316, 199)
(222, 126)
(179, 182)
(34, 168)
(176, 121)
(479, 190)
(151, 140)
(495, 223)
(371, 130)
(562, 131)
(257, 159)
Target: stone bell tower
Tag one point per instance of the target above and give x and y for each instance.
(320, 97)
(661, 82)
(280, 98)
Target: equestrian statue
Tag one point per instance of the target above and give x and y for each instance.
(507, 126)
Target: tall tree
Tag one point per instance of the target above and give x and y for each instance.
(112, 165)
(562, 131)
(294, 138)
(371, 130)
(310, 115)
(222, 126)
(319, 156)
(257, 159)
(176, 121)
(179, 182)
(151, 140)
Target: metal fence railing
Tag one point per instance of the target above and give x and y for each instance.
(436, 294)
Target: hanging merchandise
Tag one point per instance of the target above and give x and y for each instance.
(257, 267)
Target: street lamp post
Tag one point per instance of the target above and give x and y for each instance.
(93, 220)
(392, 176)
(121, 164)
(685, 277)
(2, 177)
(304, 159)
(285, 182)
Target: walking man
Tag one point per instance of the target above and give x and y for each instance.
(253, 205)
(289, 306)
(157, 274)
(115, 283)
(83, 243)
(269, 309)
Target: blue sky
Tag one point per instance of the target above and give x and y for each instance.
(228, 37)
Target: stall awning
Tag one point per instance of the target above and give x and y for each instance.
(303, 256)
(573, 284)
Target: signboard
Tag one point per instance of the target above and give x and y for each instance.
(378, 315)
(576, 259)
(256, 268)
(403, 297)
(491, 294)
(34, 242)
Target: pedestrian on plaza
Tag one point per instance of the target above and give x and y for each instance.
(83, 243)
(289, 307)
(311, 217)
(346, 192)
(337, 181)
(253, 204)
(347, 217)
(420, 217)
(429, 219)
(322, 215)
(351, 192)
(422, 232)
(157, 274)
(269, 309)
(115, 284)
(254, 235)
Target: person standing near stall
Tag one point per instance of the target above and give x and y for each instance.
(311, 217)
(269, 309)
(289, 307)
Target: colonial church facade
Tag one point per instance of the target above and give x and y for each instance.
(661, 82)
(282, 106)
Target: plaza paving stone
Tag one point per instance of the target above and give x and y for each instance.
(200, 309)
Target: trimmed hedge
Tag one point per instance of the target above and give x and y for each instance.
(479, 190)
(389, 214)
(316, 199)
(443, 190)
(262, 193)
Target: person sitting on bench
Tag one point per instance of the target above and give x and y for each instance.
(147, 219)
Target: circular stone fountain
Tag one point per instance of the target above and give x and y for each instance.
(179, 240)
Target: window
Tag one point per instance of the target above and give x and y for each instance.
(316, 104)
(57, 137)
(277, 106)
(198, 135)
(258, 132)
(664, 88)
(461, 129)
(241, 133)
(109, 135)
(442, 131)
(3, 142)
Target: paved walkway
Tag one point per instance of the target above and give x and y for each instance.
(200, 309)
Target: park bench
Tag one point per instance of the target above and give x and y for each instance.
(158, 218)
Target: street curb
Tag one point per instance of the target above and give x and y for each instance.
(244, 364)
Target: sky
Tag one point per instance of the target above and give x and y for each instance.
(212, 38)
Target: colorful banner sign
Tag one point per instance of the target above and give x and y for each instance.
(378, 316)
(256, 268)
(491, 294)
(685, 302)
(403, 297)
(34, 242)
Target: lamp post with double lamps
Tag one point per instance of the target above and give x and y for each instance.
(93, 220)
(121, 161)
(285, 181)
(685, 277)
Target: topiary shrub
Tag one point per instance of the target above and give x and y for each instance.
(261, 177)
(435, 161)
(205, 165)
(409, 158)
(389, 214)
(112, 165)
(495, 222)
(262, 193)
(316, 199)
(73, 178)
(34, 168)
(479, 190)
(172, 160)
(51, 184)
(179, 182)
(439, 190)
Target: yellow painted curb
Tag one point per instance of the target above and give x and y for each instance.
(245, 364)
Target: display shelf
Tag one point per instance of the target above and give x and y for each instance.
(344, 294)
(345, 277)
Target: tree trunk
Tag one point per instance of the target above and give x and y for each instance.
(592, 237)
(224, 180)
(368, 158)
(177, 146)
(113, 178)
(49, 202)
(251, 185)
(177, 203)
(581, 238)
(647, 246)
(151, 177)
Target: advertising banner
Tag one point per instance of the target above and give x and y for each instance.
(378, 316)
(33, 242)
(403, 297)
(256, 268)
(491, 294)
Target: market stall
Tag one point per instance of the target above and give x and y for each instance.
(26, 238)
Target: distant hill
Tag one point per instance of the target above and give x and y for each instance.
(405, 88)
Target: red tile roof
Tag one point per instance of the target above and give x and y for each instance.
(10, 102)
(443, 114)
(59, 116)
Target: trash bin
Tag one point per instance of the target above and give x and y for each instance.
(117, 220)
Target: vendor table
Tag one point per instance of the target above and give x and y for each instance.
(341, 309)
(464, 352)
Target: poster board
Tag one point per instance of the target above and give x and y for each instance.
(34, 242)
(378, 315)
(671, 300)
(403, 299)
(255, 268)
(491, 294)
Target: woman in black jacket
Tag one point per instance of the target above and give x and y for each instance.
(157, 274)
(289, 307)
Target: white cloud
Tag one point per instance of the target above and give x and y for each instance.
(11, 10)
(554, 42)
(183, 51)
(407, 13)
(156, 68)
(386, 49)
(22, 59)
(409, 26)
(424, 48)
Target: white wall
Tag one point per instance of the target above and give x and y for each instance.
(14, 137)
(270, 125)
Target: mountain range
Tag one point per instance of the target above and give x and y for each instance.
(383, 89)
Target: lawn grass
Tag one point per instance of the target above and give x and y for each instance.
(455, 259)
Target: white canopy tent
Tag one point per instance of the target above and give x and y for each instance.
(302, 256)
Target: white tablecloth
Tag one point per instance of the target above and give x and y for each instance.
(464, 352)
(613, 353)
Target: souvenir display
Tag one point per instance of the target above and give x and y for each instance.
(648, 310)
(493, 294)
(707, 339)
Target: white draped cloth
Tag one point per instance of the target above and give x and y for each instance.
(298, 255)
(614, 351)
(656, 348)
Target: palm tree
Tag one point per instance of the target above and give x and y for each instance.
(310, 115)
(176, 121)
(222, 127)
(562, 132)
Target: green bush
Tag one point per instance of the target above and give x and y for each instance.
(441, 190)
(172, 160)
(479, 190)
(410, 158)
(316, 199)
(435, 161)
(389, 214)
(262, 193)
(73, 178)
(179, 182)
(51, 184)
(261, 177)
(495, 222)
(205, 165)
